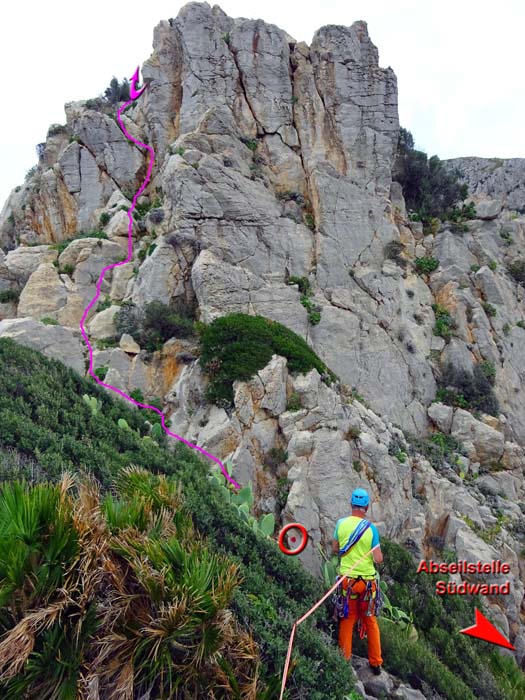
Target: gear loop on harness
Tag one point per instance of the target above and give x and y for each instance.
(371, 595)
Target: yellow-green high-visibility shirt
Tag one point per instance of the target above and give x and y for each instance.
(343, 530)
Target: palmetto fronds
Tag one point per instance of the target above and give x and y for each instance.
(115, 598)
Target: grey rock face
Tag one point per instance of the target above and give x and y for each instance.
(44, 294)
(497, 182)
(251, 114)
(365, 118)
(53, 341)
(23, 261)
(113, 152)
(103, 324)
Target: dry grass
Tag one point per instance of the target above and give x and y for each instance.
(162, 626)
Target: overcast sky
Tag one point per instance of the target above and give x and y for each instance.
(459, 64)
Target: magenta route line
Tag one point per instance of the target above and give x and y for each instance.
(134, 94)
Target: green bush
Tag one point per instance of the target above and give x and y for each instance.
(517, 270)
(162, 322)
(128, 319)
(309, 221)
(294, 402)
(460, 214)
(452, 398)
(303, 283)
(428, 188)
(143, 209)
(314, 316)
(30, 173)
(47, 321)
(237, 346)
(152, 326)
(489, 370)
(275, 457)
(62, 245)
(104, 218)
(509, 676)
(14, 465)
(152, 416)
(137, 395)
(426, 265)
(489, 309)
(437, 448)
(117, 92)
(103, 305)
(492, 264)
(313, 311)
(8, 295)
(475, 387)
(55, 129)
(444, 322)
(352, 433)
(101, 372)
(413, 661)
(393, 251)
(250, 143)
(67, 269)
(104, 343)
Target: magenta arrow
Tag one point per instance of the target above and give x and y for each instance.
(133, 96)
(133, 93)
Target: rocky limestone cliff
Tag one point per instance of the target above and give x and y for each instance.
(274, 160)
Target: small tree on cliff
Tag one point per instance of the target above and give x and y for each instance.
(117, 92)
(429, 188)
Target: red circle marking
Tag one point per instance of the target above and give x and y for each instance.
(303, 543)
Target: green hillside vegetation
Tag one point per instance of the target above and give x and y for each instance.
(45, 427)
(121, 590)
(236, 346)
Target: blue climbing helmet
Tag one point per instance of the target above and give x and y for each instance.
(360, 498)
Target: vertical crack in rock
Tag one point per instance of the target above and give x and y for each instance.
(242, 85)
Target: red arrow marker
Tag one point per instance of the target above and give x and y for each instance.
(483, 629)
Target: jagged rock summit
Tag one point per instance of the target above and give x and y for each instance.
(273, 194)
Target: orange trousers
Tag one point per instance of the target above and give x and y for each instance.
(358, 610)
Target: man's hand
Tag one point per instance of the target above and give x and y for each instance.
(335, 546)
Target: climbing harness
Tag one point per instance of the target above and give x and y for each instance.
(370, 595)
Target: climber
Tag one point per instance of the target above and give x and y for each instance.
(354, 536)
